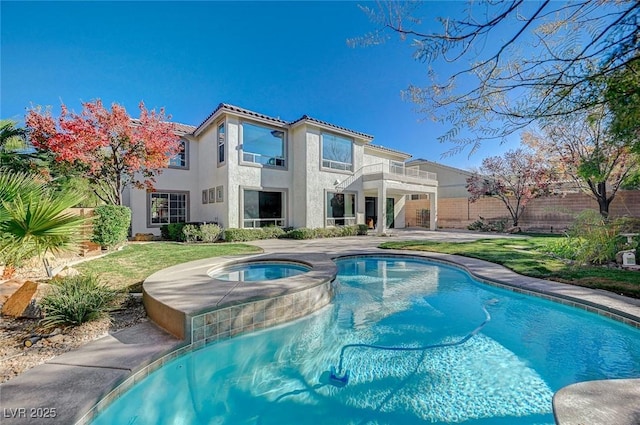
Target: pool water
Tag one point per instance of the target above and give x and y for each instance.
(504, 375)
(251, 272)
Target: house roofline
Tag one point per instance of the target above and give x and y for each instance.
(419, 161)
(389, 150)
(325, 124)
(226, 107)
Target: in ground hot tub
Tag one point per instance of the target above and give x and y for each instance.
(259, 270)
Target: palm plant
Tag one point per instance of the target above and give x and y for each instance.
(34, 220)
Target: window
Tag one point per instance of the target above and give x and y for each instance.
(221, 143)
(341, 209)
(262, 208)
(212, 195)
(179, 160)
(168, 207)
(337, 152)
(262, 145)
(205, 196)
(220, 194)
(419, 196)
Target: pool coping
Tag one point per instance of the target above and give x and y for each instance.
(100, 371)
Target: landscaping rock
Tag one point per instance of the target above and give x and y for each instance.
(18, 303)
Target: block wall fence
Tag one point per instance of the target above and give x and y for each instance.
(550, 213)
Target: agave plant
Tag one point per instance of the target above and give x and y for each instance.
(33, 220)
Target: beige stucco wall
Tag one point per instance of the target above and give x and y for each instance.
(304, 181)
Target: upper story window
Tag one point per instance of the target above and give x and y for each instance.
(221, 143)
(179, 160)
(337, 152)
(263, 145)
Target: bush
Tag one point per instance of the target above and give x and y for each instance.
(77, 299)
(301, 233)
(201, 232)
(191, 233)
(243, 235)
(592, 239)
(174, 230)
(272, 232)
(492, 225)
(111, 225)
(210, 232)
(363, 230)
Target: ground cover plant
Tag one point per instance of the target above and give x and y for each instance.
(129, 267)
(532, 256)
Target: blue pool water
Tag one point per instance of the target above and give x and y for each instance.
(251, 272)
(504, 375)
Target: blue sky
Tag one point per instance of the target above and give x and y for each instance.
(283, 59)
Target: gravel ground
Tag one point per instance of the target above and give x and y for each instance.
(15, 358)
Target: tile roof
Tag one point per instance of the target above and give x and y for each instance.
(237, 109)
(183, 128)
(278, 121)
(327, 124)
(180, 128)
(384, 148)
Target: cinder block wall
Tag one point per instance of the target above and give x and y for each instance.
(555, 212)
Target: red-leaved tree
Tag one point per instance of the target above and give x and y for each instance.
(515, 178)
(111, 149)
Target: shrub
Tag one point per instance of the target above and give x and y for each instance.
(191, 233)
(175, 231)
(491, 225)
(363, 230)
(111, 225)
(210, 232)
(243, 235)
(592, 239)
(77, 299)
(164, 232)
(272, 232)
(301, 233)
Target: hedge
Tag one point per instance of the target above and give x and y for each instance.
(111, 225)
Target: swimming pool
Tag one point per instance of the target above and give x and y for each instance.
(505, 374)
(256, 271)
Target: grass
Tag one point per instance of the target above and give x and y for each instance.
(129, 267)
(530, 257)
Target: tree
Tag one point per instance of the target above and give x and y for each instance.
(510, 63)
(514, 178)
(623, 99)
(111, 149)
(33, 219)
(583, 149)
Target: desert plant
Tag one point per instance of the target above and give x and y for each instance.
(34, 220)
(74, 300)
(591, 239)
(111, 225)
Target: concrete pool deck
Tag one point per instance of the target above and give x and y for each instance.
(66, 388)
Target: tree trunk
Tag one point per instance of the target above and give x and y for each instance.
(603, 200)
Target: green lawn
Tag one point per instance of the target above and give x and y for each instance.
(529, 257)
(135, 262)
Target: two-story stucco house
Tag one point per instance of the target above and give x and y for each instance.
(243, 169)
